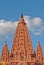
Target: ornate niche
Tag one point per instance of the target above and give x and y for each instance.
(22, 56)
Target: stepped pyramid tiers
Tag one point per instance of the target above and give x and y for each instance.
(39, 55)
(22, 52)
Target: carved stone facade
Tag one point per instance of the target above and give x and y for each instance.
(22, 52)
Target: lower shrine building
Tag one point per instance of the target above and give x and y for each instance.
(22, 52)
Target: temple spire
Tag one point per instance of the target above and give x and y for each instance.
(39, 55)
(39, 44)
(5, 53)
(22, 38)
(22, 15)
(21, 19)
(5, 44)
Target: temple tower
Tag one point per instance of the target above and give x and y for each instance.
(39, 56)
(5, 53)
(22, 52)
(22, 46)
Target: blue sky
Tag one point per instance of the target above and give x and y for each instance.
(10, 11)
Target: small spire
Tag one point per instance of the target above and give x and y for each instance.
(39, 46)
(22, 15)
(38, 43)
(5, 44)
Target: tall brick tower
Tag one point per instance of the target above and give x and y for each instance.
(22, 46)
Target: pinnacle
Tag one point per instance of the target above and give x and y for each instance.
(22, 15)
(39, 46)
(5, 44)
(38, 43)
(21, 19)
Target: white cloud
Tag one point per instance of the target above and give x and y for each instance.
(37, 21)
(7, 28)
(35, 25)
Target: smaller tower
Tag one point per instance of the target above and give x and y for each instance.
(5, 53)
(39, 55)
